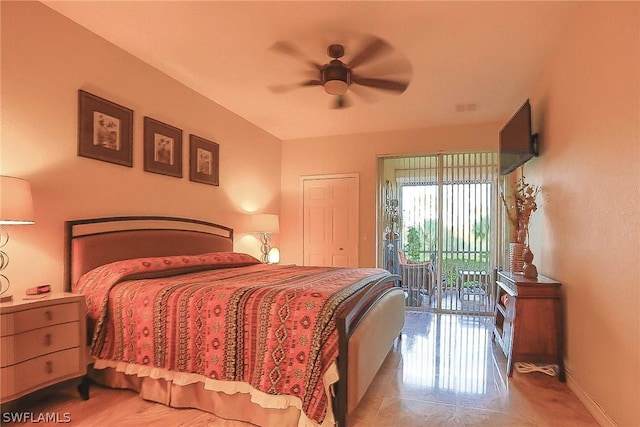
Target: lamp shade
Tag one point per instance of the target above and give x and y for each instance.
(16, 204)
(265, 223)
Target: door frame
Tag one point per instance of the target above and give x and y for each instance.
(304, 178)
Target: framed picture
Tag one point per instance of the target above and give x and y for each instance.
(162, 148)
(105, 130)
(204, 161)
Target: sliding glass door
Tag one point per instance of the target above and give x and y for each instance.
(438, 215)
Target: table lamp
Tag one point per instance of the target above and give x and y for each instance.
(16, 208)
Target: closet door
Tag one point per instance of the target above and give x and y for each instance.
(330, 218)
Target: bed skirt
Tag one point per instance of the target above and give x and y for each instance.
(238, 402)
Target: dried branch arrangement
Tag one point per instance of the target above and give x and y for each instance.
(521, 205)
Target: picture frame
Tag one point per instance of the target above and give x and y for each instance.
(162, 148)
(105, 130)
(204, 161)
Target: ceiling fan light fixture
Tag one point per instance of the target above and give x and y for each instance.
(336, 87)
(336, 78)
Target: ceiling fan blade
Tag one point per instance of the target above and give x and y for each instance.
(288, 87)
(314, 82)
(375, 48)
(395, 68)
(364, 94)
(395, 86)
(289, 49)
(341, 101)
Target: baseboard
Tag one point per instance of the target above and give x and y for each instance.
(592, 406)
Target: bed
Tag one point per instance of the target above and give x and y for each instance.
(176, 315)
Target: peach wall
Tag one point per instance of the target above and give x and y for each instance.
(46, 58)
(359, 154)
(587, 231)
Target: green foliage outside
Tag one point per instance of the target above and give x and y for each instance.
(413, 247)
(421, 244)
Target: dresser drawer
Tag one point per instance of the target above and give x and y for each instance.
(39, 372)
(30, 344)
(35, 318)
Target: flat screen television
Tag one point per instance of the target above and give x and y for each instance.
(517, 144)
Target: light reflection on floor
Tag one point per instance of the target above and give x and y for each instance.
(446, 370)
(450, 355)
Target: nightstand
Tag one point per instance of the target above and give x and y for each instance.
(42, 342)
(529, 320)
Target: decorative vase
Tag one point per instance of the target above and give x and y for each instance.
(528, 269)
(515, 257)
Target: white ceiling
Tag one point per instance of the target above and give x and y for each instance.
(479, 52)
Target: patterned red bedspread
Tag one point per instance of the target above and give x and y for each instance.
(225, 316)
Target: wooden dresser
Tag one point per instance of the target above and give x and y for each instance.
(529, 320)
(41, 343)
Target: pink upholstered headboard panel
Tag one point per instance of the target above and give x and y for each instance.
(107, 241)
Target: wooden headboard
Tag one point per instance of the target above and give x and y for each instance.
(92, 242)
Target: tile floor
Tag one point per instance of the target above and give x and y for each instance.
(445, 371)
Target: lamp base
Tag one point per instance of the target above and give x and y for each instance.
(265, 239)
(6, 298)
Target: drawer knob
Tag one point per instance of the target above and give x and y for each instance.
(48, 314)
(49, 367)
(47, 340)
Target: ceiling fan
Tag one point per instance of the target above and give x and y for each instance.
(336, 76)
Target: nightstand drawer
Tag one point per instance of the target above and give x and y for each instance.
(26, 320)
(27, 345)
(39, 372)
(42, 343)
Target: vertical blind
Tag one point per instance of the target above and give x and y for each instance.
(447, 207)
